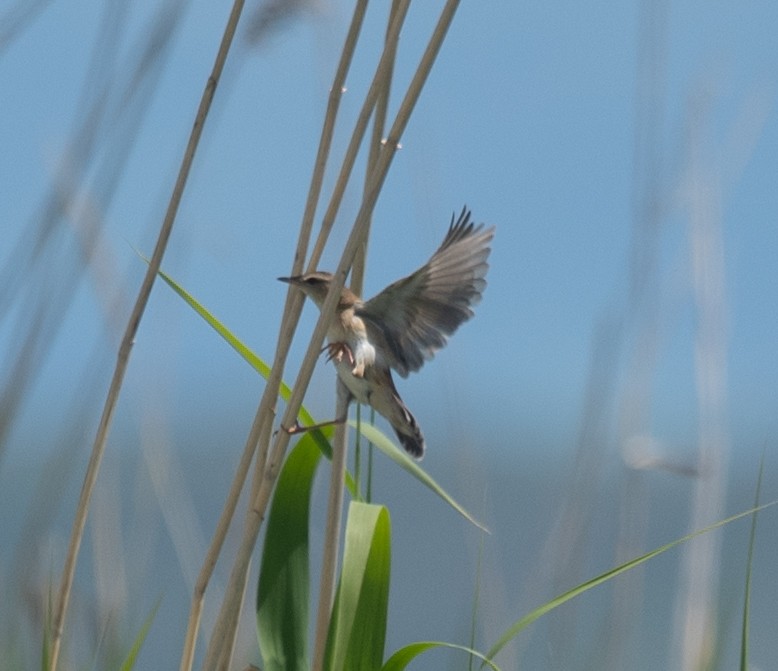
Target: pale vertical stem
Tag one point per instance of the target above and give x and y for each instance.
(700, 578)
(222, 636)
(396, 17)
(294, 299)
(328, 130)
(382, 74)
(332, 533)
(255, 515)
(260, 431)
(228, 646)
(125, 348)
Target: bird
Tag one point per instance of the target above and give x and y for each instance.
(404, 325)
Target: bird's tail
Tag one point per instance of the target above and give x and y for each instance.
(408, 432)
(382, 395)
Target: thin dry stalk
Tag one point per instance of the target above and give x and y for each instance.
(336, 93)
(238, 576)
(98, 448)
(329, 569)
(314, 194)
(396, 18)
(294, 303)
(381, 80)
(259, 433)
(266, 410)
(328, 577)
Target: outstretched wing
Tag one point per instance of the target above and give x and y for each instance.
(411, 319)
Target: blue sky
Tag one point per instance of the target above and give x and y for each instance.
(530, 117)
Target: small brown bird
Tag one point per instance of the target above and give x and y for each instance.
(405, 324)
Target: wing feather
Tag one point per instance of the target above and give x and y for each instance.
(411, 319)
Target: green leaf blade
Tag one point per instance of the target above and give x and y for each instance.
(283, 598)
(405, 655)
(358, 627)
(137, 644)
(383, 443)
(557, 601)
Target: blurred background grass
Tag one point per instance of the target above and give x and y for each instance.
(617, 382)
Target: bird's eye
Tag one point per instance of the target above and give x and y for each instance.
(310, 280)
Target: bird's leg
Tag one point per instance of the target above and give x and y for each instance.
(337, 350)
(344, 402)
(299, 428)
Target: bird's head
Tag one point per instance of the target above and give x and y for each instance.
(315, 285)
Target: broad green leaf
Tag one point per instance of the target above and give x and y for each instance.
(358, 626)
(137, 644)
(528, 619)
(404, 656)
(401, 458)
(283, 589)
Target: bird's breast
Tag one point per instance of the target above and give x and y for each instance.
(350, 329)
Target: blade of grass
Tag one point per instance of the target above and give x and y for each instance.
(137, 644)
(258, 365)
(528, 619)
(744, 666)
(383, 443)
(404, 656)
(249, 356)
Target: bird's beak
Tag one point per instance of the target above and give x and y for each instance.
(288, 280)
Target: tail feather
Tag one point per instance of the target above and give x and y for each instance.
(382, 395)
(410, 435)
(414, 445)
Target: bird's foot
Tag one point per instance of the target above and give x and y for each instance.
(295, 428)
(336, 351)
(299, 428)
